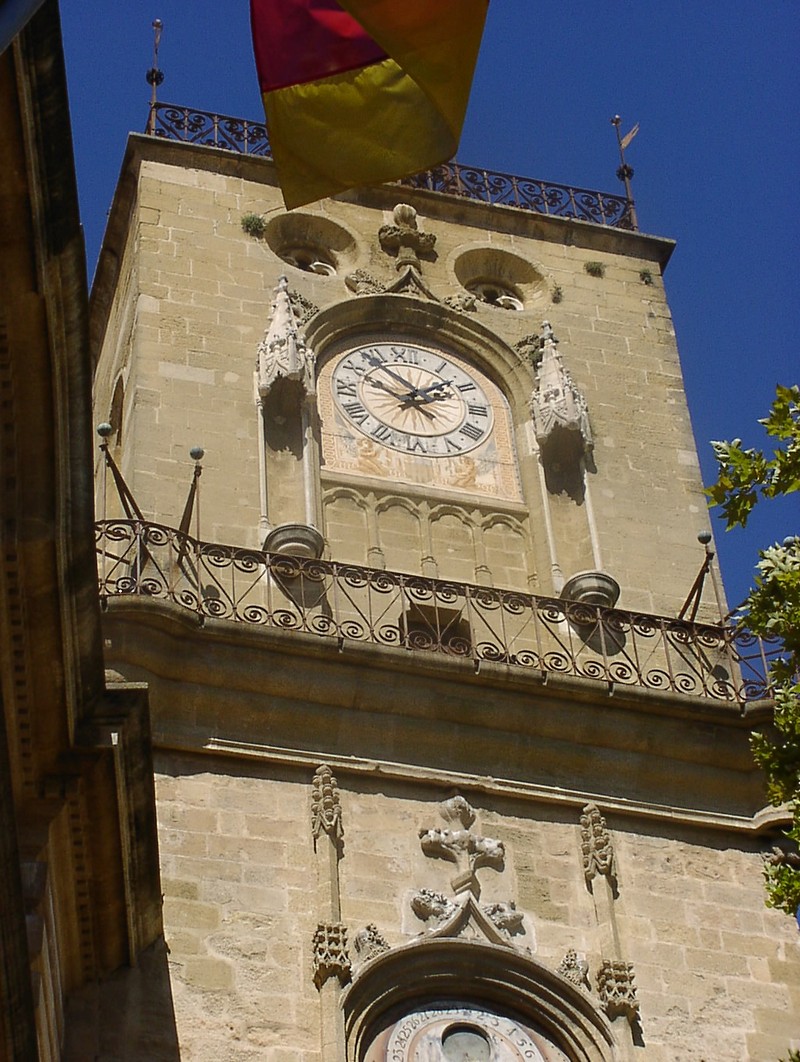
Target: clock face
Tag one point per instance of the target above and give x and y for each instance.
(413, 399)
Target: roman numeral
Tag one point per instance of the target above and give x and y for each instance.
(406, 356)
(356, 411)
(451, 445)
(415, 444)
(478, 411)
(441, 367)
(471, 431)
(470, 386)
(381, 433)
(345, 390)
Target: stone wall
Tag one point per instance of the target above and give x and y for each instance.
(717, 975)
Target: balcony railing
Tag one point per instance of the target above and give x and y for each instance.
(348, 603)
(451, 178)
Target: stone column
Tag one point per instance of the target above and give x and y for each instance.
(331, 960)
(616, 985)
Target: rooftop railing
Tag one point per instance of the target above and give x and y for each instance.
(451, 178)
(348, 603)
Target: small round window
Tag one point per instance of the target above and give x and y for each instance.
(466, 1043)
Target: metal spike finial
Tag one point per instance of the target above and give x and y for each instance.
(625, 172)
(154, 76)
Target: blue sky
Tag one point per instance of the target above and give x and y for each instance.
(715, 86)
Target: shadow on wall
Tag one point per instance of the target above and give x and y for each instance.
(128, 1017)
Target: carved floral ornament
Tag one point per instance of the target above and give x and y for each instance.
(597, 848)
(326, 809)
(330, 953)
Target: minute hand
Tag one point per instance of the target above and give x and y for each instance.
(396, 376)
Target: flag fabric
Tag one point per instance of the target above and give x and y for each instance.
(362, 91)
(628, 137)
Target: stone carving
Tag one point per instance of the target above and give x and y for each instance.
(453, 844)
(404, 238)
(617, 989)
(282, 353)
(457, 809)
(360, 282)
(529, 348)
(326, 809)
(596, 847)
(505, 916)
(369, 942)
(575, 968)
(461, 845)
(330, 953)
(464, 302)
(304, 309)
(429, 905)
(559, 410)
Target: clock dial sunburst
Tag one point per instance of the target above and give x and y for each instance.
(412, 399)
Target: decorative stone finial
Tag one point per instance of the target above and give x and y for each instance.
(326, 808)
(330, 953)
(559, 410)
(282, 352)
(616, 987)
(596, 847)
(404, 238)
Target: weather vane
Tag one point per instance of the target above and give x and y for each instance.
(154, 76)
(625, 172)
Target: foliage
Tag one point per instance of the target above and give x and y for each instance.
(595, 269)
(772, 610)
(254, 225)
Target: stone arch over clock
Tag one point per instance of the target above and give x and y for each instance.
(458, 1000)
(420, 416)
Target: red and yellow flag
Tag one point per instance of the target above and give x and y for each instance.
(363, 91)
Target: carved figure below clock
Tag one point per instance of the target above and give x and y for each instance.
(413, 399)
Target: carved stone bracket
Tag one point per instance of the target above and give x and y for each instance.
(596, 847)
(404, 239)
(617, 988)
(282, 353)
(431, 906)
(326, 808)
(360, 282)
(529, 348)
(330, 953)
(369, 942)
(558, 409)
(304, 309)
(464, 302)
(575, 968)
(505, 916)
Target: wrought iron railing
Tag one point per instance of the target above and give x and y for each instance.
(451, 178)
(351, 603)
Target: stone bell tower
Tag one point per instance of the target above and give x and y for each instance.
(441, 773)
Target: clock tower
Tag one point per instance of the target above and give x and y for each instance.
(449, 762)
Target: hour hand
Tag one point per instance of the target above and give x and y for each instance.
(428, 394)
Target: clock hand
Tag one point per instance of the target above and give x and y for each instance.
(378, 364)
(388, 390)
(423, 392)
(407, 400)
